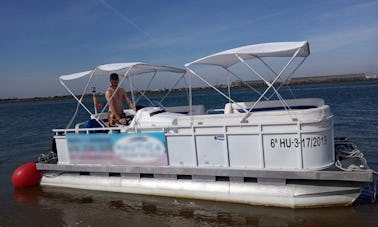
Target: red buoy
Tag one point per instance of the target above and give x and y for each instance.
(26, 175)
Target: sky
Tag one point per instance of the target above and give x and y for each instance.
(41, 40)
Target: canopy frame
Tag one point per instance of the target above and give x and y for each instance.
(228, 58)
(131, 69)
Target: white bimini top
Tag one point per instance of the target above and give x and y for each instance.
(229, 57)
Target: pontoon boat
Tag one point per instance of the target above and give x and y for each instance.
(270, 151)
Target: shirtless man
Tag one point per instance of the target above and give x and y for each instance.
(116, 114)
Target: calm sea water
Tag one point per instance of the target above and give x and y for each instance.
(26, 132)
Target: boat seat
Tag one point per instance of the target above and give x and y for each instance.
(273, 105)
(154, 116)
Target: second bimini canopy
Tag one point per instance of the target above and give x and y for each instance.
(125, 70)
(229, 57)
(226, 59)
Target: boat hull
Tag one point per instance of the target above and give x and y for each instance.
(281, 195)
(292, 189)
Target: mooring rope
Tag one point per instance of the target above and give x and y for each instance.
(344, 149)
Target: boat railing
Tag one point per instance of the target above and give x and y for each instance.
(63, 132)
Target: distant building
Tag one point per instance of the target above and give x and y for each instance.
(371, 77)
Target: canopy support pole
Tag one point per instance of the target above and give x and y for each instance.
(291, 74)
(145, 89)
(77, 99)
(270, 85)
(248, 85)
(170, 90)
(220, 92)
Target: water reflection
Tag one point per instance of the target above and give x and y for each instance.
(27, 195)
(92, 208)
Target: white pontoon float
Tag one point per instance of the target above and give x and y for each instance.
(263, 152)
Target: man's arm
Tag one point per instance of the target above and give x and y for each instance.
(128, 101)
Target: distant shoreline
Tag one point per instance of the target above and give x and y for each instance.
(298, 81)
(35, 99)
